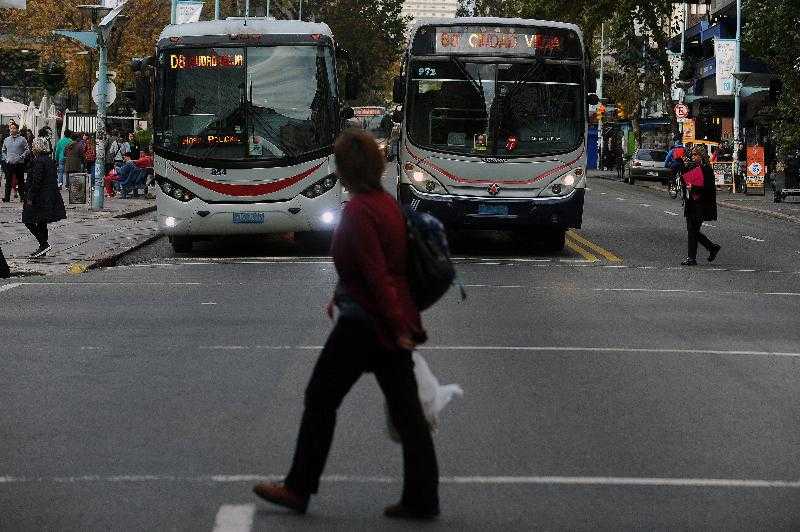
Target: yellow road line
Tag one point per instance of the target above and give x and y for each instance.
(594, 247)
(580, 251)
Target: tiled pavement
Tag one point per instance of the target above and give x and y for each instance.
(84, 239)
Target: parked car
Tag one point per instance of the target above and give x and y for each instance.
(647, 164)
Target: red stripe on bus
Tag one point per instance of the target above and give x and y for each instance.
(457, 179)
(248, 190)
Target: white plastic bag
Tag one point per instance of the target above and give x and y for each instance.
(433, 396)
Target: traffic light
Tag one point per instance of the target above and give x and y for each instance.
(620, 111)
(601, 111)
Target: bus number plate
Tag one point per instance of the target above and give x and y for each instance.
(489, 209)
(248, 217)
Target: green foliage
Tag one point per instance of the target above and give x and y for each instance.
(144, 137)
(15, 62)
(778, 18)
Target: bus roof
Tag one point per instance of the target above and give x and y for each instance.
(250, 25)
(493, 21)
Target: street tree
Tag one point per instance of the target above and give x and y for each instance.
(779, 18)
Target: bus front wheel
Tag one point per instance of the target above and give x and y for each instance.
(181, 244)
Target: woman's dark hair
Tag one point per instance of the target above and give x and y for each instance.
(359, 161)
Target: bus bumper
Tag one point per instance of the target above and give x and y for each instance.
(464, 212)
(199, 218)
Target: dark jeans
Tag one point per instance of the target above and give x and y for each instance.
(694, 221)
(40, 232)
(18, 170)
(351, 350)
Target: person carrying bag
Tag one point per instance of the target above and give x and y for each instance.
(700, 204)
(377, 329)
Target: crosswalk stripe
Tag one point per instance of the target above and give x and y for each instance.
(235, 518)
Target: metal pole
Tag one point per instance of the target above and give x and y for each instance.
(216, 10)
(267, 8)
(173, 16)
(247, 8)
(600, 96)
(737, 100)
(301, 10)
(100, 143)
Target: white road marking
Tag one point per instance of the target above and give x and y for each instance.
(671, 213)
(469, 480)
(603, 193)
(523, 348)
(745, 271)
(9, 286)
(645, 205)
(235, 518)
(754, 239)
(209, 303)
(494, 286)
(620, 199)
(706, 224)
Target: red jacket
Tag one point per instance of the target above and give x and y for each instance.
(369, 250)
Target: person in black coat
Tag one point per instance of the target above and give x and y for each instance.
(700, 206)
(43, 203)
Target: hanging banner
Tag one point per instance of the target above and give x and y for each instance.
(725, 54)
(12, 4)
(188, 12)
(756, 169)
(688, 131)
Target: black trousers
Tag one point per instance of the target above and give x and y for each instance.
(352, 349)
(39, 230)
(694, 221)
(17, 169)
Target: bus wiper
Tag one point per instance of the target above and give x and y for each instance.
(477, 83)
(516, 87)
(252, 116)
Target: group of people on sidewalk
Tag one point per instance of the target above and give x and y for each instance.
(40, 194)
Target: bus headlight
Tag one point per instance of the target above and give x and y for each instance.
(568, 180)
(422, 180)
(320, 187)
(174, 191)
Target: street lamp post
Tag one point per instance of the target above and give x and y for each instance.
(600, 96)
(737, 99)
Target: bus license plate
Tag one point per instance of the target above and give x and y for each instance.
(490, 209)
(248, 217)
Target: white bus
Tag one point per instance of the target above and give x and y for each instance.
(494, 125)
(246, 112)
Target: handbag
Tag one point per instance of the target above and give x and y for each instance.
(694, 177)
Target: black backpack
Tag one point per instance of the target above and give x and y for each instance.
(430, 270)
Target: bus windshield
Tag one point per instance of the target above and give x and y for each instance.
(255, 103)
(518, 109)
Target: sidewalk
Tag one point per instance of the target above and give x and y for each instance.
(788, 210)
(85, 239)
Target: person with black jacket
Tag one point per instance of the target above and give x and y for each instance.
(700, 204)
(43, 203)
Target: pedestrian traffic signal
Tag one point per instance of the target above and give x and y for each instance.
(601, 111)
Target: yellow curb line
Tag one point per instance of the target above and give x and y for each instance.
(594, 247)
(580, 251)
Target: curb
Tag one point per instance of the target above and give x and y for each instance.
(111, 258)
(135, 213)
(723, 203)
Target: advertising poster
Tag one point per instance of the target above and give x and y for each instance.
(756, 169)
(723, 174)
(688, 131)
(725, 54)
(188, 12)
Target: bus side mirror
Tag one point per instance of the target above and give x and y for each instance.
(352, 87)
(346, 113)
(592, 99)
(141, 72)
(397, 116)
(399, 90)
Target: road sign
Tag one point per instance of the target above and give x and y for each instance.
(111, 93)
(681, 110)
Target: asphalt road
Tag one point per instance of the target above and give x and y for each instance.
(606, 387)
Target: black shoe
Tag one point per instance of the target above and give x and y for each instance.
(400, 511)
(282, 496)
(689, 262)
(42, 251)
(713, 253)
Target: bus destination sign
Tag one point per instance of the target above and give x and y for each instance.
(210, 61)
(520, 41)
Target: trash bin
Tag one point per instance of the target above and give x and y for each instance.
(77, 185)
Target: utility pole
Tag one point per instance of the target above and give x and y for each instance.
(301, 10)
(600, 96)
(173, 13)
(216, 10)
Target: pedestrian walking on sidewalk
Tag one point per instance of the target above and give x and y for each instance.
(43, 203)
(5, 271)
(376, 331)
(701, 203)
(15, 152)
(61, 145)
